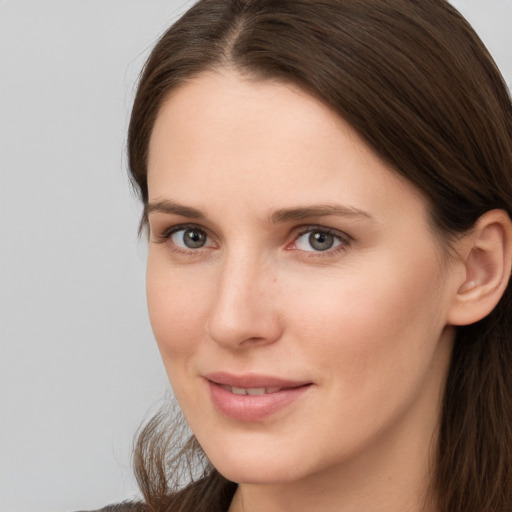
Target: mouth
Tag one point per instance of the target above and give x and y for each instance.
(252, 391)
(253, 397)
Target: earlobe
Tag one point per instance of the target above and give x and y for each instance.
(487, 264)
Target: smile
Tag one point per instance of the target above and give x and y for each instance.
(253, 397)
(251, 391)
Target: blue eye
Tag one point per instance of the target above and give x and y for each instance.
(318, 240)
(189, 238)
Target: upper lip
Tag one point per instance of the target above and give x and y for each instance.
(253, 380)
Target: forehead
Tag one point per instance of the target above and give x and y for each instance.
(263, 144)
(224, 109)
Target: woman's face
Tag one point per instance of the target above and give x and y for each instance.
(297, 295)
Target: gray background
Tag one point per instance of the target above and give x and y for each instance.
(79, 369)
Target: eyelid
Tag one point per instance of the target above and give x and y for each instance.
(344, 238)
(165, 235)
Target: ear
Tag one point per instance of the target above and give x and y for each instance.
(486, 255)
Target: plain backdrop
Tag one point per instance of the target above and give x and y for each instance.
(79, 369)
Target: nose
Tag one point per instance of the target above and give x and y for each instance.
(244, 313)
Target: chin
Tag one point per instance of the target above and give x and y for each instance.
(257, 464)
(244, 472)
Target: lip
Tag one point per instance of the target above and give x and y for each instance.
(253, 407)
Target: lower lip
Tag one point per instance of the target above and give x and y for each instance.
(253, 407)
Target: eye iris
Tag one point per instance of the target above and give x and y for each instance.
(194, 238)
(321, 241)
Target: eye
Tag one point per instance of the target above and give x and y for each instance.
(319, 240)
(190, 238)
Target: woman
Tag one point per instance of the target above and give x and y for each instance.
(327, 189)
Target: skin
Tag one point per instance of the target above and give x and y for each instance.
(366, 321)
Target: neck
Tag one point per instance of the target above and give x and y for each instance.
(387, 485)
(392, 481)
(393, 473)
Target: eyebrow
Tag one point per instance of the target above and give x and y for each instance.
(171, 208)
(321, 210)
(279, 216)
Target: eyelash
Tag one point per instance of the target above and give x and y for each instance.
(168, 233)
(344, 239)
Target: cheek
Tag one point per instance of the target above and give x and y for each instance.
(372, 338)
(370, 321)
(175, 313)
(177, 304)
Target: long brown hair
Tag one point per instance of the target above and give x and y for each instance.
(416, 82)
